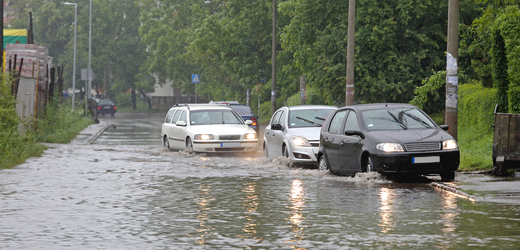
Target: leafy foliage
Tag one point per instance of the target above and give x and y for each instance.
(15, 146)
(500, 71)
(475, 119)
(431, 96)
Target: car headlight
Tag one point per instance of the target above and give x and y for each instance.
(299, 141)
(390, 147)
(204, 137)
(250, 136)
(449, 144)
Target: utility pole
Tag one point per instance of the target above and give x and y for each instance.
(349, 98)
(2, 30)
(452, 88)
(273, 71)
(89, 75)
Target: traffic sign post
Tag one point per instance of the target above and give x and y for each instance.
(195, 79)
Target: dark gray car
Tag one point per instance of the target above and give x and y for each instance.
(392, 139)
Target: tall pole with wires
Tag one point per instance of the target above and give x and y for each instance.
(452, 87)
(273, 76)
(351, 32)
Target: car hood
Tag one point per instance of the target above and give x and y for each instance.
(223, 129)
(410, 135)
(310, 133)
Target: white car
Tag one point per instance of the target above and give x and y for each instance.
(294, 132)
(207, 129)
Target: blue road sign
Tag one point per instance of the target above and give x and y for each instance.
(195, 78)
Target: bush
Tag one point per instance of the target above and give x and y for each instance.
(514, 97)
(431, 96)
(475, 131)
(60, 124)
(15, 146)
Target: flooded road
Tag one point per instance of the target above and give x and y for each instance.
(123, 190)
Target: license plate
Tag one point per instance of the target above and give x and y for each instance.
(230, 144)
(107, 107)
(426, 159)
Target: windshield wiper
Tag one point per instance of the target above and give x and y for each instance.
(309, 121)
(397, 120)
(418, 120)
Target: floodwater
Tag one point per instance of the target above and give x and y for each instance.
(125, 191)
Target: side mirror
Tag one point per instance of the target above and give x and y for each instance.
(276, 127)
(249, 122)
(445, 127)
(181, 123)
(355, 132)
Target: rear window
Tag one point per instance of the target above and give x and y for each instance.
(105, 102)
(242, 110)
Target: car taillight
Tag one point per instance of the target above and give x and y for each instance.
(115, 107)
(254, 121)
(98, 107)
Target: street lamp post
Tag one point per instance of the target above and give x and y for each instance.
(89, 51)
(74, 67)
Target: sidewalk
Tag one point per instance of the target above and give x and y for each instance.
(91, 133)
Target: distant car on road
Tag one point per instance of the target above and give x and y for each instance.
(243, 110)
(207, 129)
(294, 132)
(106, 106)
(392, 139)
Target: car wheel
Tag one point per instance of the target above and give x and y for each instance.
(323, 165)
(266, 154)
(499, 170)
(285, 152)
(166, 143)
(369, 165)
(448, 176)
(113, 114)
(189, 145)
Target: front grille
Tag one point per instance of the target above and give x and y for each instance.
(229, 137)
(315, 143)
(422, 146)
(228, 149)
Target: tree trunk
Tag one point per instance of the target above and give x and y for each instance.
(134, 101)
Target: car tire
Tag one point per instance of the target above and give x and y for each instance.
(448, 176)
(113, 114)
(369, 165)
(266, 154)
(166, 143)
(285, 152)
(323, 165)
(499, 170)
(189, 144)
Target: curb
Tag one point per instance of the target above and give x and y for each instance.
(93, 138)
(453, 190)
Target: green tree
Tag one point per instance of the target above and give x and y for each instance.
(500, 71)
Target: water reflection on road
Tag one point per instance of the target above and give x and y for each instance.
(115, 194)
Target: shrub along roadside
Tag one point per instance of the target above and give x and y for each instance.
(59, 125)
(475, 132)
(15, 146)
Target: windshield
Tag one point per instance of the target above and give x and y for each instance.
(396, 119)
(206, 117)
(308, 117)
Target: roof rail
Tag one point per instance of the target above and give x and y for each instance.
(187, 105)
